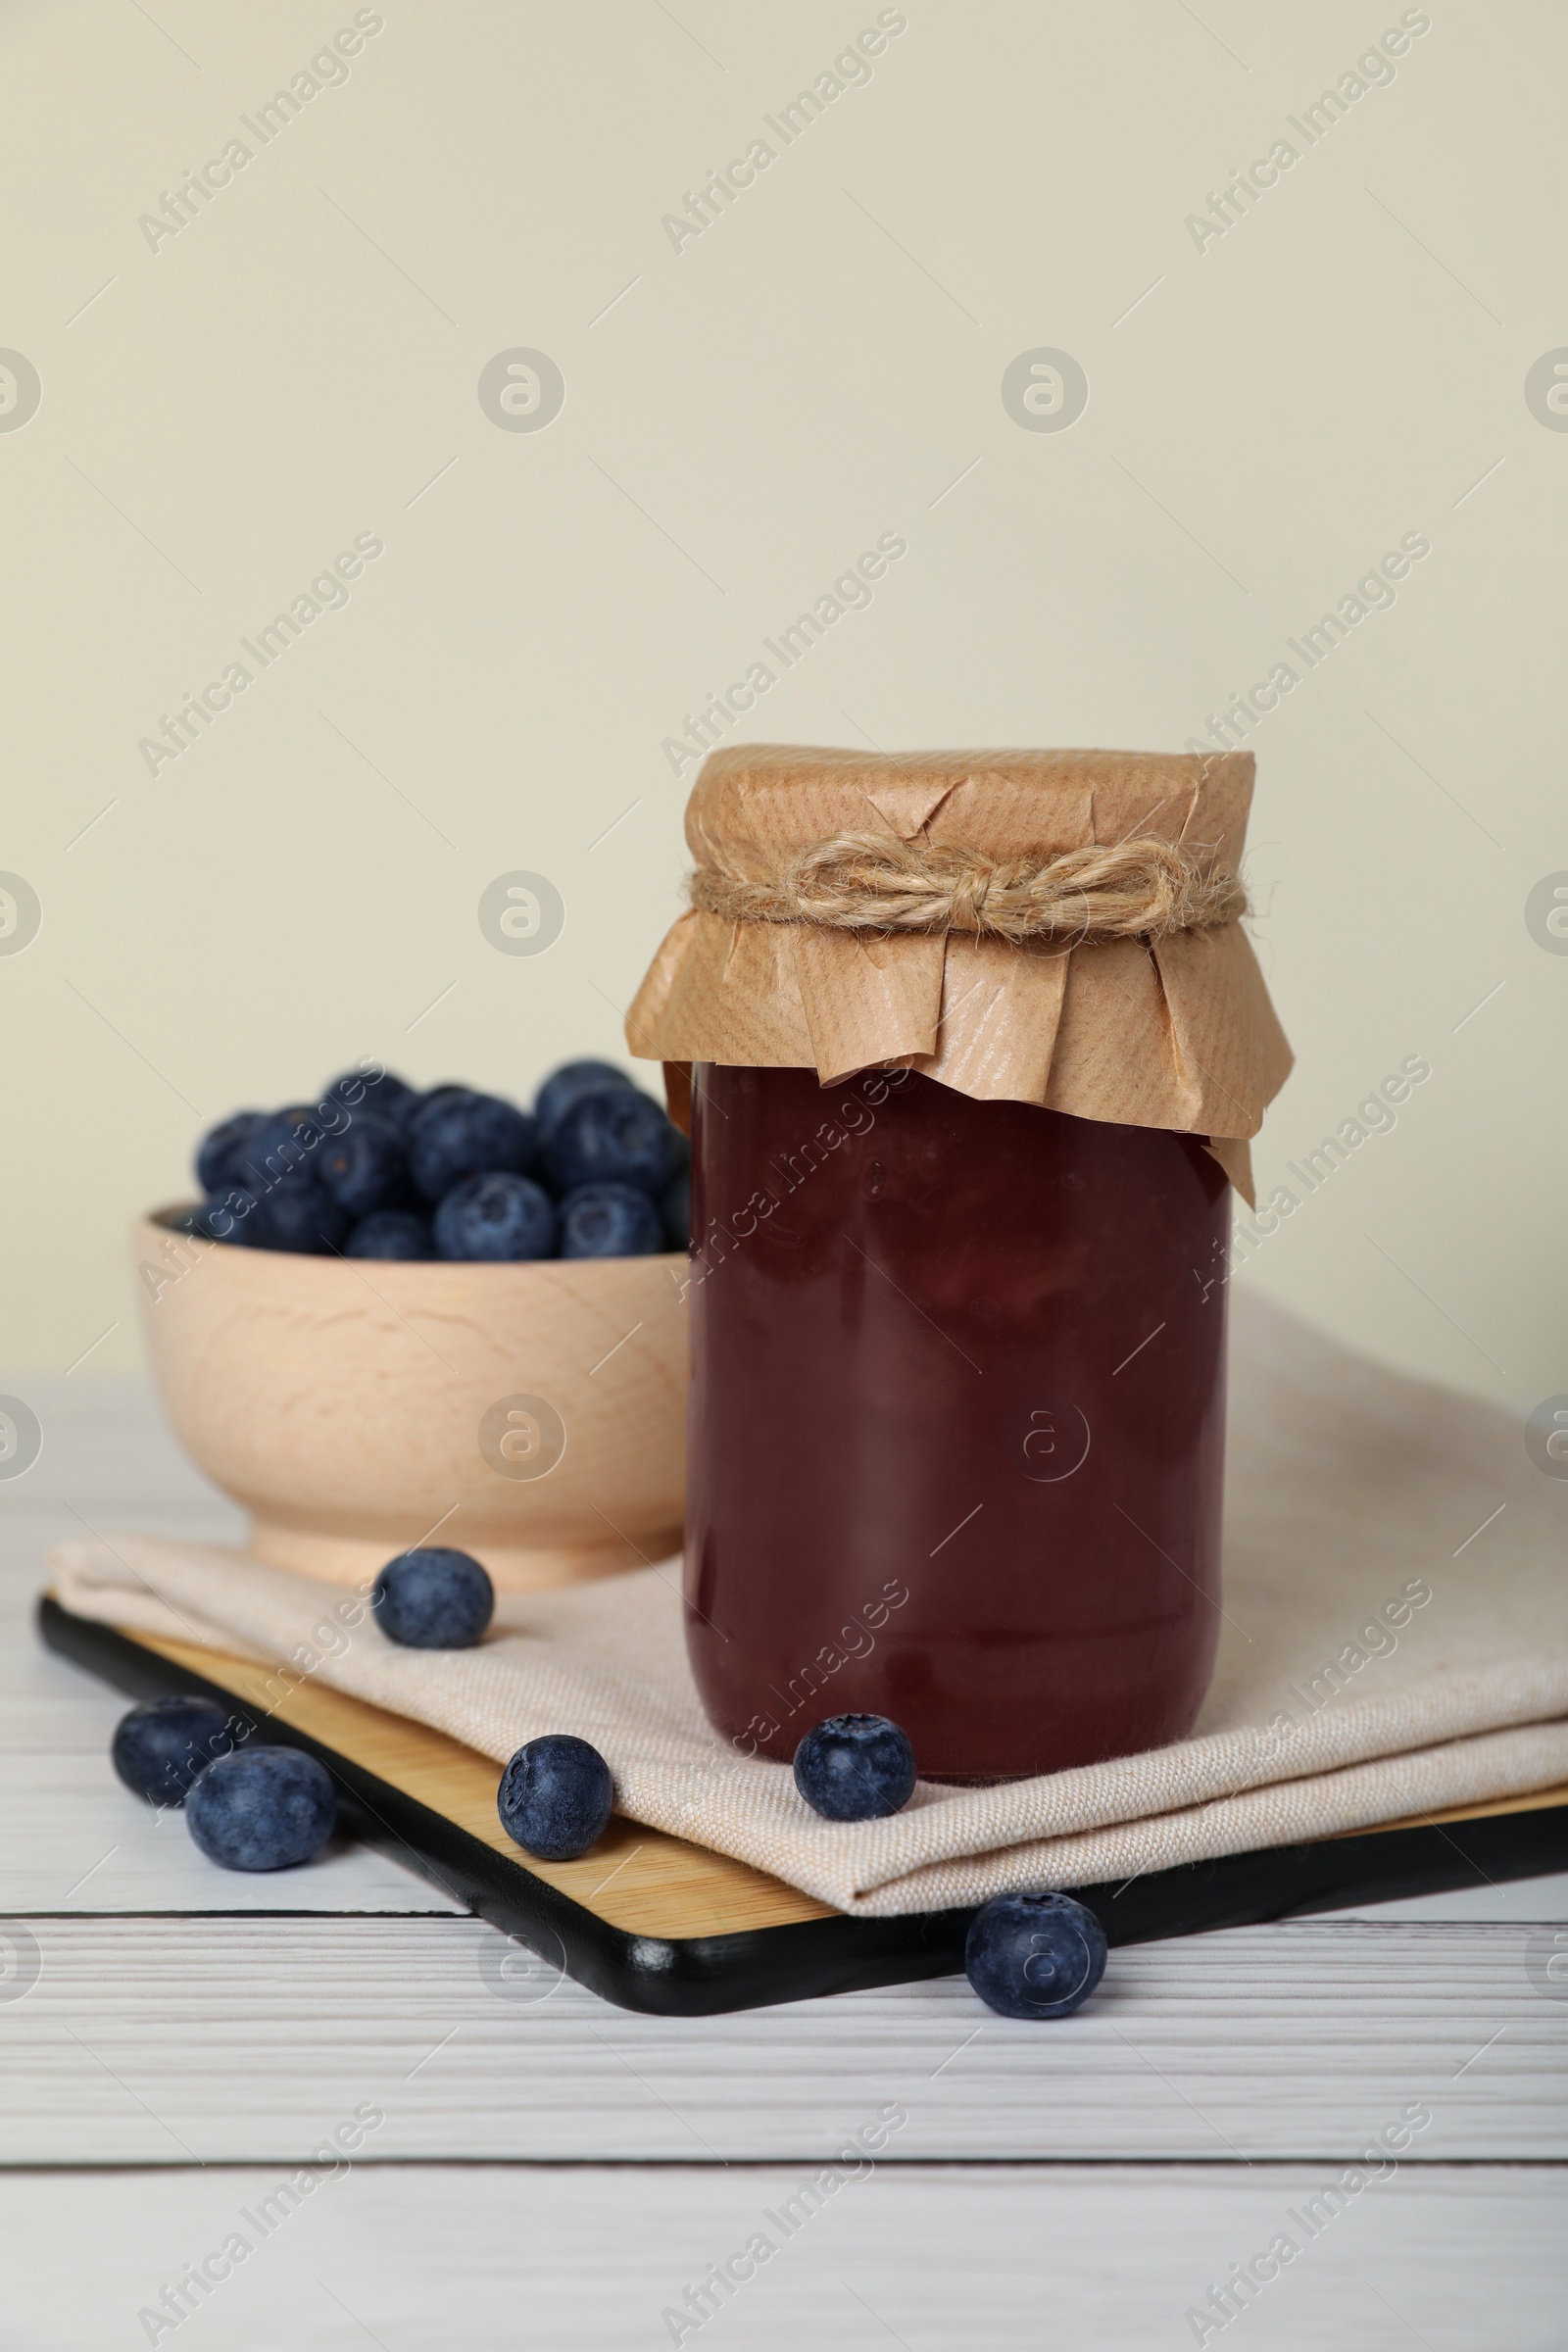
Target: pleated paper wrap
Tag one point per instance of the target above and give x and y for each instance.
(1172, 1032)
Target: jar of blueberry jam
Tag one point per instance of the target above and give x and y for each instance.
(976, 1041)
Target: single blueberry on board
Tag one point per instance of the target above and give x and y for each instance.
(398, 1232)
(367, 1166)
(609, 1220)
(466, 1134)
(262, 1808)
(676, 1211)
(158, 1748)
(556, 1797)
(613, 1135)
(1034, 1955)
(573, 1078)
(221, 1153)
(496, 1216)
(433, 1599)
(855, 1768)
(299, 1216)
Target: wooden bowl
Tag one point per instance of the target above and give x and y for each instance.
(533, 1415)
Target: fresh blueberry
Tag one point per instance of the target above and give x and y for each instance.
(297, 1215)
(497, 1216)
(158, 1748)
(234, 1218)
(614, 1135)
(391, 1233)
(262, 1808)
(609, 1220)
(854, 1767)
(221, 1153)
(285, 1145)
(556, 1797)
(408, 1108)
(573, 1078)
(466, 1134)
(676, 1211)
(356, 1091)
(1034, 1955)
(433, 1599)
(367, 1166)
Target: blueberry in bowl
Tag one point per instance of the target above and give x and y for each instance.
(285, 1144)
(463, 1134)
(392, 1232)
(609, 1220)
(221, 1161)
(297, 1214)
(495, 1216)
(367, 1166)
(573, 1078)
(610, 1134)
(372, 1090)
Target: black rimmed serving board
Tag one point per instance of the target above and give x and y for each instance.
(652, 1923)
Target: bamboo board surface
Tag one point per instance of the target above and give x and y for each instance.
(637, 1880)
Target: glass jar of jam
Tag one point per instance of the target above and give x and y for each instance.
(957, 1307)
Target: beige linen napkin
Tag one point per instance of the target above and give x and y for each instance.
(1394, 1638)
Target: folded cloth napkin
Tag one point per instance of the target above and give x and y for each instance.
(1395, 1639)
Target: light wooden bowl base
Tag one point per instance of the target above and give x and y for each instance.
(512, 1567)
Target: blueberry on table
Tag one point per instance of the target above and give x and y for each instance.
(613, 1135)
(609, 1220)
(221, 1153)
(556, 1797)
(158, 1748)
(262, 1808)
(391, 1233)
(367, 1166)
(297, 1214)
(1034, 1955)
(466, 1134)
(433, 1599)
(855, 1768)
(573, 1078)
(496, 1216)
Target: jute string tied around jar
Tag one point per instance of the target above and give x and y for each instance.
(1135, 889)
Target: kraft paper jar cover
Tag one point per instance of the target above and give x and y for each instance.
(1167, 1032)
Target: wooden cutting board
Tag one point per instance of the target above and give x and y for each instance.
(654, 1923)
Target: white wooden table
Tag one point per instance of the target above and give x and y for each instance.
(175, 2042)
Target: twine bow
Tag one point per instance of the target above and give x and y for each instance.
(875, 882)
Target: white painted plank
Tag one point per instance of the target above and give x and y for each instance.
(72, 1837)
(938, 2261)
(154, 2042)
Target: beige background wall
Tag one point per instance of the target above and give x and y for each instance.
(224, 411)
